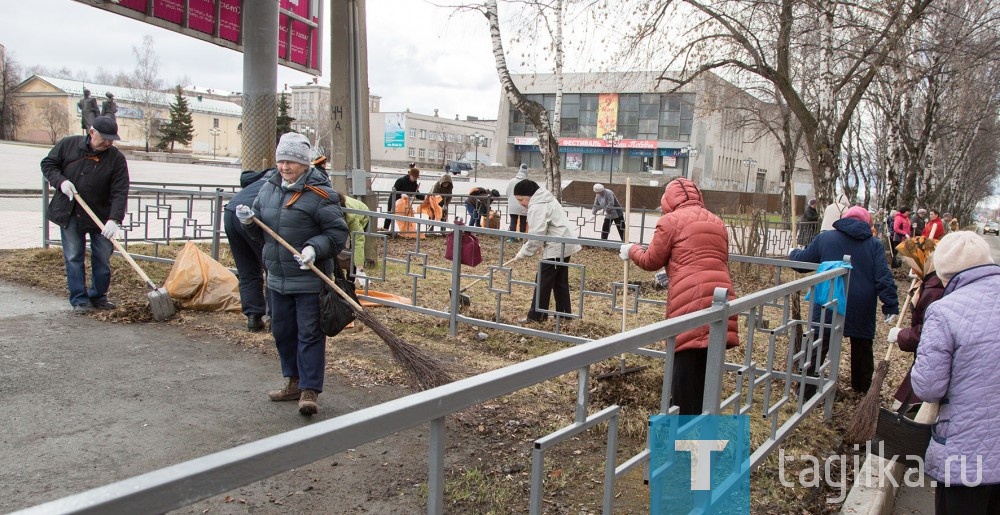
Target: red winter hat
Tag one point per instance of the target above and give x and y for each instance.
(859, 213)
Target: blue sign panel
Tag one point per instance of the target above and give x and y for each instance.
(699, 464)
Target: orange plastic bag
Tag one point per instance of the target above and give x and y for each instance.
(199, 282)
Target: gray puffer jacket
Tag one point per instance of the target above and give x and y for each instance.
(956, 366)
(303, 216)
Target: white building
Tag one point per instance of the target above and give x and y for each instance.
(430, 141)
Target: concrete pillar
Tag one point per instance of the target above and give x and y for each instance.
(260, 80)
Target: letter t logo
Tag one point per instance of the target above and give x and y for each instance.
(701, 476)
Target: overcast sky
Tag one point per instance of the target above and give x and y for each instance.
(419, 56)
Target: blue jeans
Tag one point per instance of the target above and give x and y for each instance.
(74, 253)
(297, 335)
(249, 265)
(474, 215)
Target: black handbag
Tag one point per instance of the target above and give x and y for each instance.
(335, 313)
(897, 436)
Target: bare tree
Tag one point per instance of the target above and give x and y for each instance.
(56, 120)
(145, 85)
(11, 107)
(548, 144)
(850, 40)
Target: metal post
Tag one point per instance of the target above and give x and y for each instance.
(260, 79)
(749, 162)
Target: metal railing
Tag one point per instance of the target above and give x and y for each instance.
(746, 386)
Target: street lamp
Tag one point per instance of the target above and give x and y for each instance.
(613, 138)
(309, 131)
(689, 153)
(749, 162)
(214, 131)
(476, 139)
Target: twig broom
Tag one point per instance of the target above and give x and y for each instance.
(865, 420)
(422, 371)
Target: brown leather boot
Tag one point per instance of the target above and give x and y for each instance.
(290, 392)
(307, 404)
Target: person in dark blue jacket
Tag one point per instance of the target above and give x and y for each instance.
(870, 280)
(247, 251)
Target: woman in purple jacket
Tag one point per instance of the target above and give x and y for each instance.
(956, 366)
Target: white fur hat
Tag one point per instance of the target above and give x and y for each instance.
(958, 251)
(598, 188)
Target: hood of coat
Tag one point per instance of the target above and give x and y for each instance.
(542, 196)
(679, 193)
(854, 228)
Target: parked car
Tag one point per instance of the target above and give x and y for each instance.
(991, 227)
(457, 167)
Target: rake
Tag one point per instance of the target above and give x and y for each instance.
(422, 371)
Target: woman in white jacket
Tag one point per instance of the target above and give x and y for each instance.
(546, 218)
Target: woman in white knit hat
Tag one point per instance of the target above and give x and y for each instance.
(957, 367)
(299, 205)
(606, 201)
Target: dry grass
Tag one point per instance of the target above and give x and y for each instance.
(495, 436)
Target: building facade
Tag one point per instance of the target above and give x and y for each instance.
(628, 123)
(309, 105)
(51, 113)
(430, 141)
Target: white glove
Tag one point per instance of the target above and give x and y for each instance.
(68, 189)
(245, 214)
(894, 334)
(623, 253)
(307, 256)
(110, 229)
(889, 319)
(360, 278)
(592, 218)
(521, 254)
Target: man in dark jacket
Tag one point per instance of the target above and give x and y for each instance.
(870, 280)
(91, 167)
(247, 251)
(405, 184)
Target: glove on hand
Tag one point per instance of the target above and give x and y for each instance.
(68, 189)
(894, 334)
(307, 256)
(623, 252)
(245, 214)
(110, 229)
(591, 219)
(521, 254)
(889, 319)
(360, 278)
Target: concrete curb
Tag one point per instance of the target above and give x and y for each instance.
(874, 490)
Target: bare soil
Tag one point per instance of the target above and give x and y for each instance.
(488, 457)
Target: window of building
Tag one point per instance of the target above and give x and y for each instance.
(423, 133)
(440, 136)
(421, 153)
(431, 154)
(412, 152)
(451, 138)
(413, 133)
(215, 123)
(431, 135)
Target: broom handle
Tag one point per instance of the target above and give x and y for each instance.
(477, 281)
(791, 193)
(118, 246)
(628, 211)
(357, 307)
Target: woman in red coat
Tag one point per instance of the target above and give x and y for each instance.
(693, 245)
(935, 224)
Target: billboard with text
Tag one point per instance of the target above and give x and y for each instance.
(220, 22)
